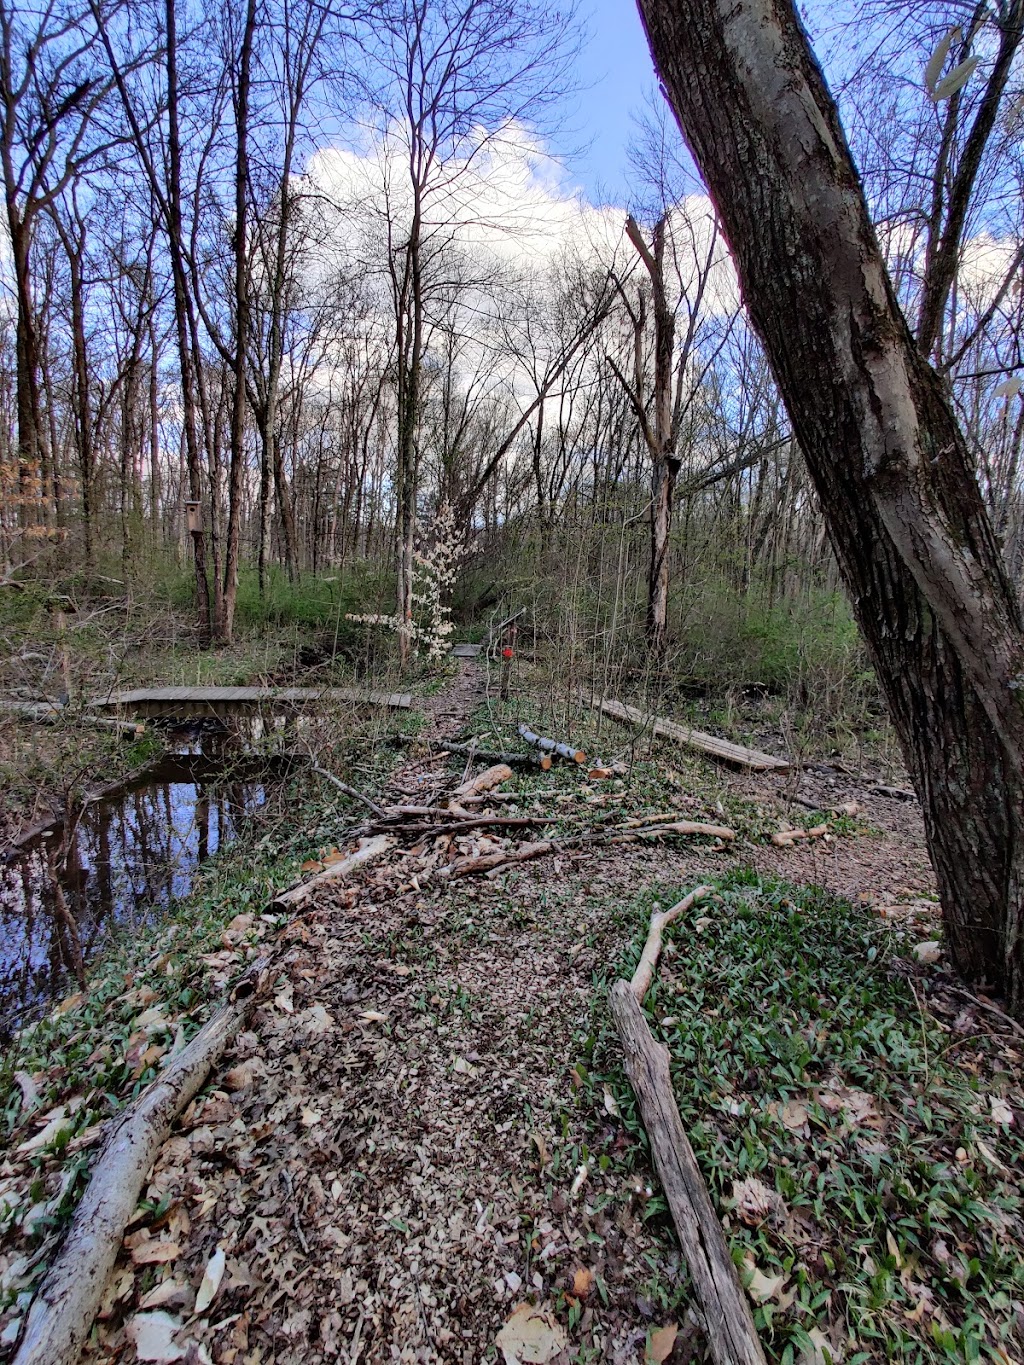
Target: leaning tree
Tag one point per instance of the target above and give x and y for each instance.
(896, 482)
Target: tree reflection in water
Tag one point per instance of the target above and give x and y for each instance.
(115, 866)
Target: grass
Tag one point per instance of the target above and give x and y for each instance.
(804, 1061)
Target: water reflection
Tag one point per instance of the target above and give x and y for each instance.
(115, 867)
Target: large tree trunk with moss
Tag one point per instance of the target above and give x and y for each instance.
(915, 545)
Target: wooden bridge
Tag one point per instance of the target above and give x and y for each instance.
(222, 702)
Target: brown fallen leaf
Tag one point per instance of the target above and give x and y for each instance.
(759, 1286)
(754, 1201)
(543, 1156)
(243, 1075)
(582, 1282)
(531, 1336)
(659, 1348)
(155, 1253)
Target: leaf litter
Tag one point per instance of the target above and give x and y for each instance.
(405, 1158)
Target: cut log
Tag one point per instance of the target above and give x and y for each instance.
(552, 746)
(729, 1325)
(786, 838)
(486, 781)
(62, 1313)
(298, 895)
(722, 749)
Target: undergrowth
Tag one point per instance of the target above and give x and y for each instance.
(860, 1152)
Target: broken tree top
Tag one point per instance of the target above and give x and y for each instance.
(722, 749)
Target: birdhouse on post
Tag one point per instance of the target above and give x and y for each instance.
(194, 513)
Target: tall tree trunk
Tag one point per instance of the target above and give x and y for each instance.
(26, 373)
(241, 253)
(904, 512)
(175, 241)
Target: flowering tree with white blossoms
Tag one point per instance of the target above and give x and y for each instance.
(435, 564)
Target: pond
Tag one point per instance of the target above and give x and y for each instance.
(115, 866)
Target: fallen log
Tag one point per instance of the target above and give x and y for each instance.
(729, 1324)
(62, 1313)
(298, 895)
(486, 781)
(552, 746)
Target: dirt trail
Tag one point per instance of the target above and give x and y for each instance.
(392, 1156)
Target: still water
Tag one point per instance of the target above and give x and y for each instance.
(115, 866)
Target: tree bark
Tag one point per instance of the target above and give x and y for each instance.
(915, 546)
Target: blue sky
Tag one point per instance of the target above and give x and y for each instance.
(616, 74)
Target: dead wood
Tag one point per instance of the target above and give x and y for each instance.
(893, 793)
(644, 974)
(679, 827)
(487, 862)
(786, 838)
(467, 822)
(552, 746)
(346, 789)
(62, 1313)
(729, 1324)
(491, 777)
(297, 895)
(512, 758)
(712, 745)
(54, 713)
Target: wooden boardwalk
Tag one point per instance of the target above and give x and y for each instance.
(711, 745)
(233, 701)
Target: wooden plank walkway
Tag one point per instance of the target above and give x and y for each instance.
(224, 701)
(723, 749)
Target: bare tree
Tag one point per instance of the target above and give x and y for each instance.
(450, 78)
(49, 99)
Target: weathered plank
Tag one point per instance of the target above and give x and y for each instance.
(192, 701)
(722, 749)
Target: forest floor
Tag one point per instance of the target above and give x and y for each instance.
(427, 1127)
